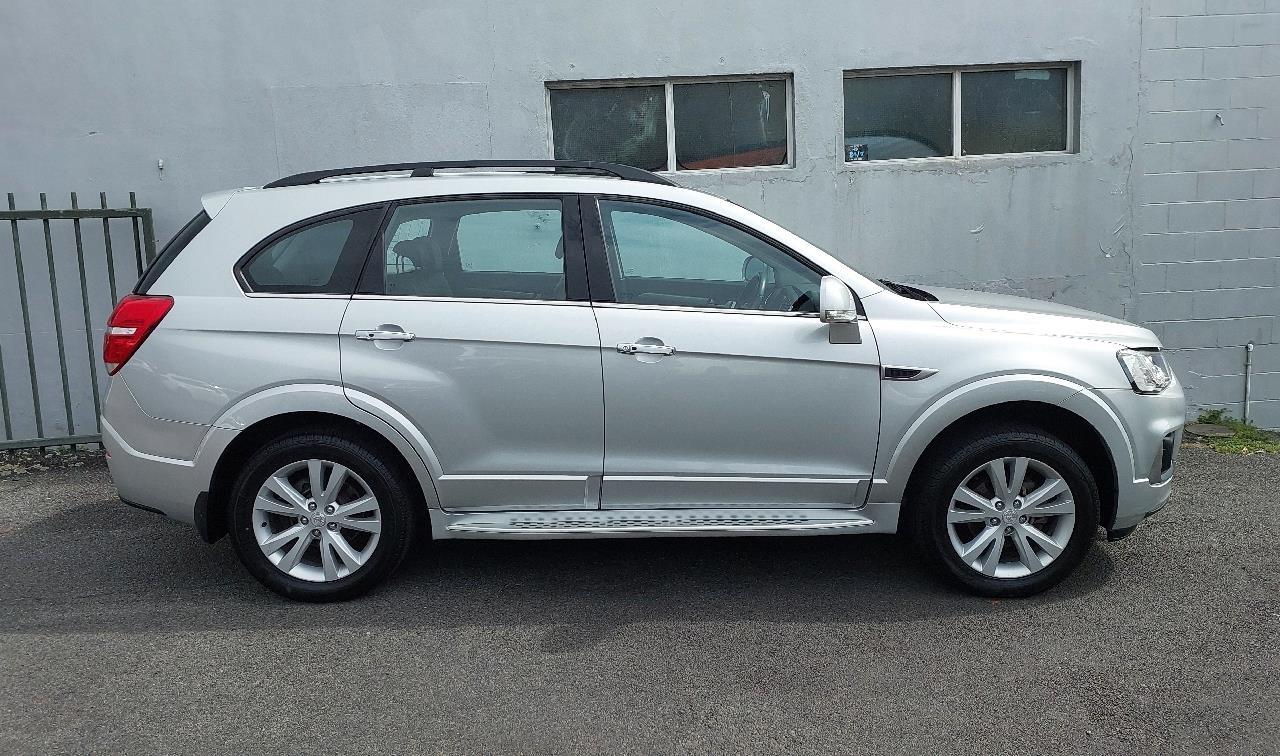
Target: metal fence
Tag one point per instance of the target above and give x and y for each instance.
(76, 250)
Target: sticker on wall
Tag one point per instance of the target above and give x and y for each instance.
(855, 152)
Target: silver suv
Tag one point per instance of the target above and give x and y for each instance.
(324, 366)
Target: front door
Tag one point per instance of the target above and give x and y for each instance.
(722, 388)
(473, 322)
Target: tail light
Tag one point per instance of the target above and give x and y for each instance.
(129, 325)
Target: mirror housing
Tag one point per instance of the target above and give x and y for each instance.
(835, 302)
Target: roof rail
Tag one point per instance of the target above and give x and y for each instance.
(421, 170)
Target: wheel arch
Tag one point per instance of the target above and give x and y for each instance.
(1073, 429)
(212, 509)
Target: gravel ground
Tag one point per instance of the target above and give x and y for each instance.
(120, 632)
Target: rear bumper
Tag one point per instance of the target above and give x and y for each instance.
(156, 464)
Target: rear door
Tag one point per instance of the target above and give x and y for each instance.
(473, 320)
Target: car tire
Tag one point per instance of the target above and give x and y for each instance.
(339, 556)
(947, 524)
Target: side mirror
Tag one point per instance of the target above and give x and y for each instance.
(835, 302)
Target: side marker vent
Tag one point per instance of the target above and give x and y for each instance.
(906, 373)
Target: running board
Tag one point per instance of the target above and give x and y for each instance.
(617, 523)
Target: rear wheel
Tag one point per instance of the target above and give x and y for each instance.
(320, 517)
(1005, 511)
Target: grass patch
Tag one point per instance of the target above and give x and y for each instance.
(1246, 439)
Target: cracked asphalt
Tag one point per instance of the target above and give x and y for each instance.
(120, 632)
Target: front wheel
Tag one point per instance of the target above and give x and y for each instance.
(320, 517)
(1007, 511)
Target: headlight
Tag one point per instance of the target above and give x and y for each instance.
(1147, 370)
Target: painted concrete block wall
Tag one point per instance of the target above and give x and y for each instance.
(1207, 211)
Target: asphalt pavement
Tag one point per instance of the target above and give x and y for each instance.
(121, 633)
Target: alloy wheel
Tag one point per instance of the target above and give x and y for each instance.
(316, 520)
(1011, 517)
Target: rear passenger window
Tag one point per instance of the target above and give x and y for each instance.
(473, 249)
(322, 258)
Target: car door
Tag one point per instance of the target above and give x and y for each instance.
(472, 320)
(722, 387)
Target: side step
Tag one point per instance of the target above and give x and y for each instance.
(648, 522)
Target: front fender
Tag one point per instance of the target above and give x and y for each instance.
(905, 436)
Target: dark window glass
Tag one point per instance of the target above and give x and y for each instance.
(1023, 110)
(666, 256)
(898, 116)
(731, 124)
(323, 258)
(475, 249)
(625, 125)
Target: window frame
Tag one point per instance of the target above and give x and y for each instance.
(600, 265)
(956, 72)
(350, 255)
(668, 84)
(575, 256)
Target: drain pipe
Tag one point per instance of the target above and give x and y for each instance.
(1248, 377)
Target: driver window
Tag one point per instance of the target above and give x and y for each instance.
(665, 256)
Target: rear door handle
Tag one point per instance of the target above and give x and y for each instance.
(376, 335)
(646, 349)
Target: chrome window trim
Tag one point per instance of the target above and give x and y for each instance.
(715, 310)
(473, 300)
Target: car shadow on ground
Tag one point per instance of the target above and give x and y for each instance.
(101, 566)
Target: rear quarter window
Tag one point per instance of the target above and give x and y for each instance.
(323, 256)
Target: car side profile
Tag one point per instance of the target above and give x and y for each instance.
(323, 367)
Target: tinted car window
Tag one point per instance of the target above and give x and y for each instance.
(321, 258)
(474, 249)
(666, 256)
(171, 251)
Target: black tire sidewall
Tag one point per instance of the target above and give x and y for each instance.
(934, 498)
(385, 482)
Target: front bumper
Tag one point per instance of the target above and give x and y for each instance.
(1144, 439)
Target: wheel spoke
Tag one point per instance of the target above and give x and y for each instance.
(280, 486)
(992, 561)
(315, 471)
(1019, 474)
(326, 557)
(348, 555)
(996, 473)
(1026, 554)
(371, 525)
(966, 495)
(979, 544)
(279, 540)
(264, 504)
(957, 516)
(1046, 491)
(1062, 506)
(294, 554)
(359, 506)
(337, 476)
(1042, 540)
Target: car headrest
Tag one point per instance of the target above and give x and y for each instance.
(419, 251)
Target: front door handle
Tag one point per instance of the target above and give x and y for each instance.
(646, 349)
(380, 335)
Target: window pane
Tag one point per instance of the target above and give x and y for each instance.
(475, 249)
(731, 124)
(311, 259)
(899, 116)
(625, 125)
(517, 241)
(664, 256)
(1013, 111)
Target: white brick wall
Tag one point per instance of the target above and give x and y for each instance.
(1207, 194)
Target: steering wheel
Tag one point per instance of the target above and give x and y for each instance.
(751, 297)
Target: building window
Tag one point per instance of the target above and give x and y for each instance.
(678, 124)
(924, 113)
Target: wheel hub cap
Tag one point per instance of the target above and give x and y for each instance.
(316, 520)
(1011, 517)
